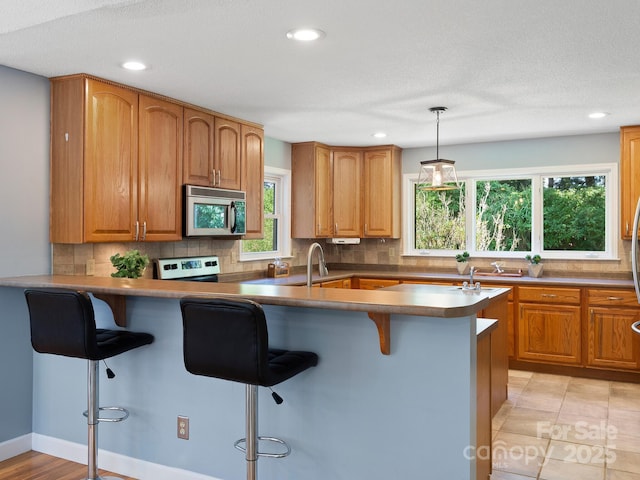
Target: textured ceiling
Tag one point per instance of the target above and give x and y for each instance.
(505, 68)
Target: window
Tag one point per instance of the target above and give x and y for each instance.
(276, 241)
(559, 212)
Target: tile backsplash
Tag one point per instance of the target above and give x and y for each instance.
(384, 255)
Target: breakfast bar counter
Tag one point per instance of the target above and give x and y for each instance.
(410, 413)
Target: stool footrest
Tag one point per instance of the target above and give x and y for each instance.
(123, 411)
(238, 445)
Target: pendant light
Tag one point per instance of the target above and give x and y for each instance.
(438, 174)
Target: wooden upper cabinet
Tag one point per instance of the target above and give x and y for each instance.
(629, 177)
(117, 166)
(227, 156)
(345, 191)
(311, 197)
(347, 194)
(94, 152)
(198, 148)
(111, 160)
(253, 178)
(381, 202)
(159, 170)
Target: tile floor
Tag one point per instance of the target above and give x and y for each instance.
(554, 427)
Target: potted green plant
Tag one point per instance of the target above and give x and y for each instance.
(129, 265)
(534, 267)
(462, 264)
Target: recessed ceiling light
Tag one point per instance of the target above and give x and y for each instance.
(379, 135)
(133, 65)
(305, 34)
(598, 115)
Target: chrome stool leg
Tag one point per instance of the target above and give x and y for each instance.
(93, 419)
(252, 438)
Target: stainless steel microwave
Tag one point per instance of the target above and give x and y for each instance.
(213, 212)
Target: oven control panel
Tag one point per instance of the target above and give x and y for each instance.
(183, 268)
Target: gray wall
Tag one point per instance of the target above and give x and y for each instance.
(24, 245)
(551, 151)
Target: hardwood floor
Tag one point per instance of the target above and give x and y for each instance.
(39, 466)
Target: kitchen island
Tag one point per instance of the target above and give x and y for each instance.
(358, 414)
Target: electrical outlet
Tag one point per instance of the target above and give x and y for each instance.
(183, 427)
(90, 267)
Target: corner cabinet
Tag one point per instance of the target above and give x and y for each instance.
(629, 177)
(116, 164)
(345, 191)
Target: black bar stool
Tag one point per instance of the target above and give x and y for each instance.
(63, 323)
(227, 338)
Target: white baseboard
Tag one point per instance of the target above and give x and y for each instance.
(15, 446)
(114, 462)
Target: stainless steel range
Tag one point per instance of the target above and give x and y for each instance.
(195, 269)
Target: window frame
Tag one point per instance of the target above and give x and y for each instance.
(282, 178)
(470, 178)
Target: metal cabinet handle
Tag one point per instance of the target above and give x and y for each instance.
(144, 231)
(219, 177)
(212, 177)
(615, 298)
(627, 228)
(549, 295)
(636, 327)
(137, 230)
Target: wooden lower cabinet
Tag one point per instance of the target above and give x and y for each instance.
(610, 341)
(374, 283)
(549, 333)
(342, 283)
(483, 405)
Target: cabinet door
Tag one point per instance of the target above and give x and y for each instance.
(381, 193)
(111, 153)
(227, 156)
(253, 178)
(347, 174)
(630, 177)
(311, 194)
(610, 338)
(549, 333)
(198, 148)
(160, 170)
(323, 193)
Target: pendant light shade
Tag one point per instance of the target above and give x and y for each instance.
(438, 174)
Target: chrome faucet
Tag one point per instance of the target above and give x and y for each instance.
(498, 267)
(322, 266)
(472, 270)
(470, 285)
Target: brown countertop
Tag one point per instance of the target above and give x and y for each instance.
(432, 301)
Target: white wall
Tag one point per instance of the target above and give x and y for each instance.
(24, 242)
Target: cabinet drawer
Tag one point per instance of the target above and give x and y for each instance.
(375, 283)
(549, 295)
(599, 296)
